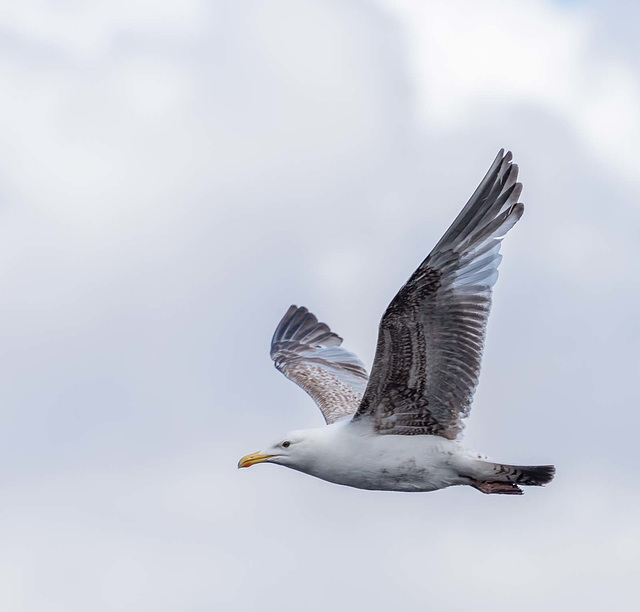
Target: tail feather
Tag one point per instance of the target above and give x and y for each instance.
(504, 479)
(531, 475)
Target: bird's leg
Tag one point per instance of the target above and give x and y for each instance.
(505, 488)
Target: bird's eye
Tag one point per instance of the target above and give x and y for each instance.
(286, 444)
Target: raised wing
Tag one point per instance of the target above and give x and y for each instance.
(309, 354)
(431, 336)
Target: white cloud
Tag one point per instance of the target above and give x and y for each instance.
(86, 30)
(480, 58)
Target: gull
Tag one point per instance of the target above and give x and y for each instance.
(400, 428)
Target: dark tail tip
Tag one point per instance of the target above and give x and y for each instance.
(537, 475)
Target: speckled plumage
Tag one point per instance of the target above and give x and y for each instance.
(408, 415)
(309, 354)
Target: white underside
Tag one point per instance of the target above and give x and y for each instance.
(350, 454)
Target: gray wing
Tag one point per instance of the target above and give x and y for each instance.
(431, 336)
(309, 354)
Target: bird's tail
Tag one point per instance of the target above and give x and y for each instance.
(499, 478)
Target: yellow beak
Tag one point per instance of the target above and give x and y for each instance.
(252, 459)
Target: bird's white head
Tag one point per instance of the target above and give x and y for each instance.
(296, 450)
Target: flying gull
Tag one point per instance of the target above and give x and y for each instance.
(399, 429)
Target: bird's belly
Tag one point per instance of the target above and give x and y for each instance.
(405, 476)
(385, 468)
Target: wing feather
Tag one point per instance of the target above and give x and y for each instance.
(431, 337)
(309, 353)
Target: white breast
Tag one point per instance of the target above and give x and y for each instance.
(355, 457)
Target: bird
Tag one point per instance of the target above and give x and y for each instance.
(400, 428)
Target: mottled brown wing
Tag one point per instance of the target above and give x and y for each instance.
(309, 354)
(431, 336)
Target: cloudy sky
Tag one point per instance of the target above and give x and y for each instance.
(175, 173)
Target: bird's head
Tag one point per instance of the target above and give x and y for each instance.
(294, 450)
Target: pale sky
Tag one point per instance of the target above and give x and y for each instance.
(175, 173)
